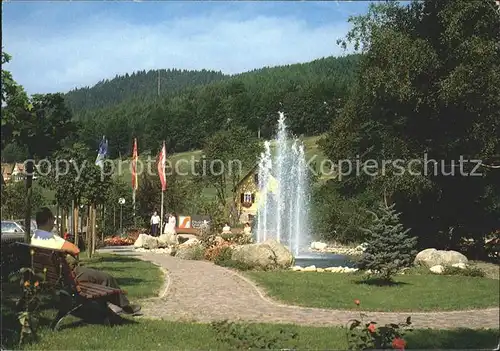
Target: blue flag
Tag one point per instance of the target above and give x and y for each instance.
(103, 151)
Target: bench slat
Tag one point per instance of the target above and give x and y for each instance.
(95, 290)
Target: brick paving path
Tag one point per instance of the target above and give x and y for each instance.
(199, 291)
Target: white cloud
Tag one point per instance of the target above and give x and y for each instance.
(101, 47)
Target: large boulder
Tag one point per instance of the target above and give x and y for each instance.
(438, 269)
(150, 242)
(283, 256)
(433, 257)
(266, 255)
(146, 241)
(168, 239)
(316, 245)
(190, 242)
(254, 255)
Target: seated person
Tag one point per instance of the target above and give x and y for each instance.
(43, 237)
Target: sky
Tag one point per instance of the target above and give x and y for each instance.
(61, 45)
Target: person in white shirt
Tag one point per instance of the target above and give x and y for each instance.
(43, 237)
(155, 224)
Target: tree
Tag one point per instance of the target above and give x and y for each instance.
(40, 124)
(180, 197)
(427, 89)
(13, 196)
(390, 248)
(76, 180)
(226, 156)
(111, 212)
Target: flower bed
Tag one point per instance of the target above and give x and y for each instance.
(118, 241)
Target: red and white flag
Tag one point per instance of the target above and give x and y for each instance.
(162, 160)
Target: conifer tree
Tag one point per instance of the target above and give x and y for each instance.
(389, 248)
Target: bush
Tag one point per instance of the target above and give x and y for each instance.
(240, 266)
(12, 258)
(221, 255)
(208, 238)
(224, 254)
(198, 252)
(363, 335)
(467, 272)
(339, 218)
(211, 253)
(237, 238)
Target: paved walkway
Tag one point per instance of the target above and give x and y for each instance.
(199, 291)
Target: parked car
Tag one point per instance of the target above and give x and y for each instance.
(21, 223)
(12, 231)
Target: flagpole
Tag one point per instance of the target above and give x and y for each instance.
(135, 156)
(163, 156)
(161, 214)
(133, 205)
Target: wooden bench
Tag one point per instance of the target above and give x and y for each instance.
(61, 279)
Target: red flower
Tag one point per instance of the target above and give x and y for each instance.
(357, 302)
(372, 328)
(66, 236)
(398, 344)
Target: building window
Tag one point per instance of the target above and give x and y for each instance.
(247, 197)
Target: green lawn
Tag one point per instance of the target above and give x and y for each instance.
(143, 279)
(411, 293)
(164, 335)
(139, 278)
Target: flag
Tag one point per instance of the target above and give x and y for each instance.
(135, 181)
(101, 154)
(162, 159)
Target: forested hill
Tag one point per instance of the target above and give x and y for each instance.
(310, 94)
(138, 85)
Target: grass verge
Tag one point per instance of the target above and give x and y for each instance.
(409, 293)
(164, 335)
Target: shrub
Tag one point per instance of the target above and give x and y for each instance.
(467, 272)
(244, 337)
(363, 335)
(224, 254)
(237, 238)
(240, 266)
(221, 255)
(198, 252)
(32, 284)
(389, 248)
(208, 238)
(211, 253)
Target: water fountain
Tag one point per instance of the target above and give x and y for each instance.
(283, 212)
(283, 209)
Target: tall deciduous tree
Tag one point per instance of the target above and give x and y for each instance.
(227, 155)
(40, 124)
(429, 84)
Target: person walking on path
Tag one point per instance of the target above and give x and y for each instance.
(155, 223)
